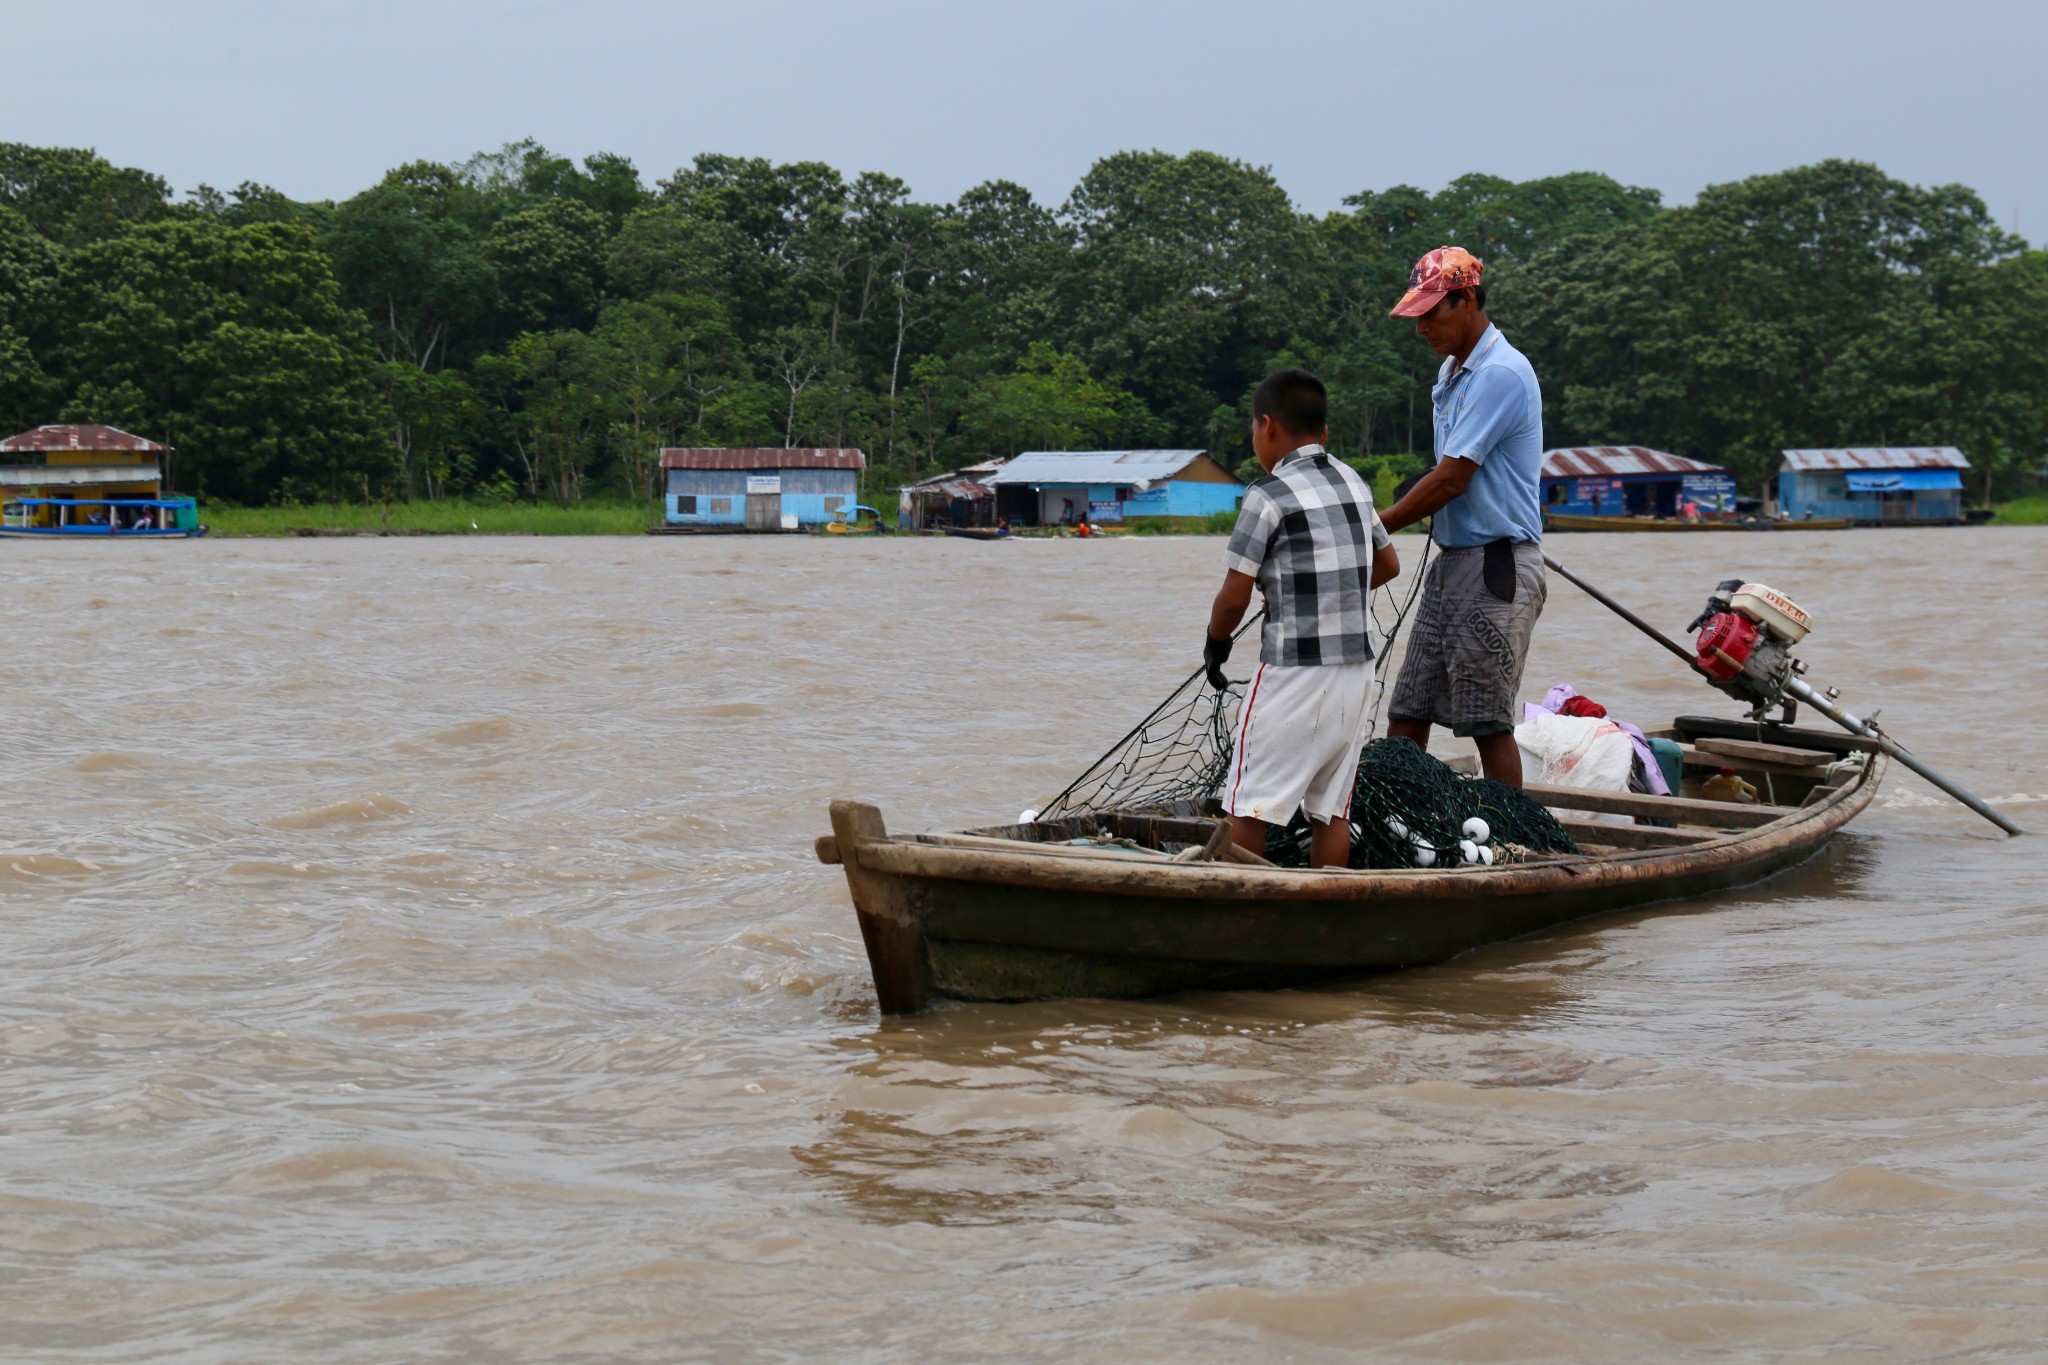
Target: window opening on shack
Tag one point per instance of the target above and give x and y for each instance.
(834, 504)
(721, 507)
(686, 505)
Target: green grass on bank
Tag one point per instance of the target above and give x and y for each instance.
(1215, 524)
(2031, 510)
(453, 517)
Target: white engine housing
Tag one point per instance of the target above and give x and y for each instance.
(1778, 614)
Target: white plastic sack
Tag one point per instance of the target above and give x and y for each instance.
(1576, 751)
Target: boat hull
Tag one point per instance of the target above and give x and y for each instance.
(1560, 521)
(95, 533)
(981, 925)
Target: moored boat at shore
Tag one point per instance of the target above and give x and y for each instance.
(1564, 521)
(102, 518)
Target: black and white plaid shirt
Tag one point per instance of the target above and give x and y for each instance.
(1307, 532)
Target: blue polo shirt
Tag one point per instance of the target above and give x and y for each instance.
(1491, 413)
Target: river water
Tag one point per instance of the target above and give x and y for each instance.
(412, 949)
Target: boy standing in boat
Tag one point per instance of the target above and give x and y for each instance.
(1481, 597)
(1308, 539)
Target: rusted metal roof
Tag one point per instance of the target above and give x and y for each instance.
(1582, 462)
(88, 436)
(761, 457)
(1877, 457)
(969, 475)
(950, 488)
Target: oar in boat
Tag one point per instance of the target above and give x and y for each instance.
(1743, 650)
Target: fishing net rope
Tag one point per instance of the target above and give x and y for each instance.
(1174, 762)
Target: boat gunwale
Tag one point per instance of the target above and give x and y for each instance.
(907, 856)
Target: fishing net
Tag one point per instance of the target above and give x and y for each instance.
(1410, 810)
(1174, 761)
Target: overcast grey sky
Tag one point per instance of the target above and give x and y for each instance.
(319, 99)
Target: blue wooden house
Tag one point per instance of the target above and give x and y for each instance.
(1873, 485)
(1632, 481)
(747, 488)
(1060, 487)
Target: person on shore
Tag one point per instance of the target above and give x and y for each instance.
(1482, 595)
(1308, 539)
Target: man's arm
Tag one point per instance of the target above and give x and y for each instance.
(1431, 493)
(1386, 566)
(1231, 600)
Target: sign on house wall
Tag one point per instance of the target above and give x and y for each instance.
(1149, 502)
(1710, 490)
(764, 483)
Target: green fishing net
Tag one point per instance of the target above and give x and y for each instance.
(1410, 810)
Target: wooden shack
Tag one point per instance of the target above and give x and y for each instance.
(757, 488)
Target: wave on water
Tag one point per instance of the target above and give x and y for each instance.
(374, 807)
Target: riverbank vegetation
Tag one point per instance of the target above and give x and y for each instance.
(525, 329)
(440, 516)
(2028, 510)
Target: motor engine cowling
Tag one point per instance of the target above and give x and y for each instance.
(1745, 639)
(1725, 644)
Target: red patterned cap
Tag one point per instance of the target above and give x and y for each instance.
(1435, 275)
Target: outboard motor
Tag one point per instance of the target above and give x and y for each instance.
(1745, 643)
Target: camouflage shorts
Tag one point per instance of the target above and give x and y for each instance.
(1467, 645)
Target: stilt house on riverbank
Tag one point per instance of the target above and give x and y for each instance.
(1631, 481)
(1059, 487)
(1872, 485)
(85, 462)
(758, 488)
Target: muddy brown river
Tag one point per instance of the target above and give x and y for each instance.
(413, 950)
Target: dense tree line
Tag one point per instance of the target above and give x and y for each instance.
(522, 325)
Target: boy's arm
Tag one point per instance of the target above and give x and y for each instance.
(1231, 601)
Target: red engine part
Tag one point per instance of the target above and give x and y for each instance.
(1724, 645)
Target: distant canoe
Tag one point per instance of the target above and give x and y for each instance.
(974, 532)
(1558, 521)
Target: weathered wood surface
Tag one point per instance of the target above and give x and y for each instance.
(1017, 923)
(1765, 753)
(1796, 737)
(1684, 809)
(1639, 836)
(1694, 757)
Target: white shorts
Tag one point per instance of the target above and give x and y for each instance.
(1298, 738)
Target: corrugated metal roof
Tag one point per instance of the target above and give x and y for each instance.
(966, 474)
(85, 436)
(1878, 457)
(762, 457)
(1134, 467)
(950, 488)
(1580, 462)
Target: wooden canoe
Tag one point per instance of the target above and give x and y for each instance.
(974, 532)
(1012, 912)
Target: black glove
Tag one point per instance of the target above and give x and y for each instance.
(1215, 653)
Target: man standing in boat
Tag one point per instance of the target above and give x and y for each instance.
(1307, 538)
(1482, 595)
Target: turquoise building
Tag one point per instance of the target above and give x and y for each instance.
(758, 488)
(1060, 487)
